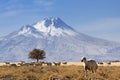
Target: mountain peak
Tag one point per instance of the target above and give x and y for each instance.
(53, 26)
(53, 21)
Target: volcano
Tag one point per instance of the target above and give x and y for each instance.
(60, 41)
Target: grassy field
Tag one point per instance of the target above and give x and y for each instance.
(64, 72)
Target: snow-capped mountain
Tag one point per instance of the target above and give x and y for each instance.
(60, 41)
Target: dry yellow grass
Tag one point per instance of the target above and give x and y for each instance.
(68, 72)
(73, 63)
(104, 64)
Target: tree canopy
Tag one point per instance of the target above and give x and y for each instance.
(37, 54)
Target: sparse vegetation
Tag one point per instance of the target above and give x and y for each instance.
(57, 72)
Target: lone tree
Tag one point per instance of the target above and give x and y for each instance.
(37, 54)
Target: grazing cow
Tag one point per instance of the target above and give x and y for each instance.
(13, 65)
(89, 65)
(7, 62)
(49, 64)
(100, 63)
(109, 63)
(64, 63)
(57, 64)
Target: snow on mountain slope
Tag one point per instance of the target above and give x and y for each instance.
(54, 26)
(60, 41)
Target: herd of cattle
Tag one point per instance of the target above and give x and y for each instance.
(22, 63)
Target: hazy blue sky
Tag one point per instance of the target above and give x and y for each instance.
(98, 18)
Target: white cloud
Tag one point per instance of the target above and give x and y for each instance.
(13, 7)
(9, 13)
(46, 3)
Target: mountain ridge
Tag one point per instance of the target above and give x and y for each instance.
(61, 43)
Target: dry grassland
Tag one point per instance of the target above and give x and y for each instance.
(71, 71)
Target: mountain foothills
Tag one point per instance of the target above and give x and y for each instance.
(60, 41)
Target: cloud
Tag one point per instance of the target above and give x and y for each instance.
(44, 2)
(46, 5)
(12, 7)
(9, 13)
